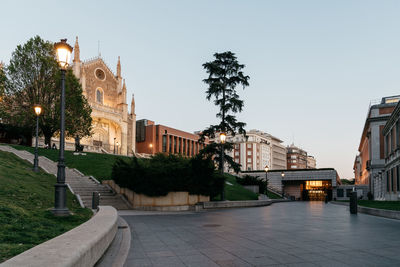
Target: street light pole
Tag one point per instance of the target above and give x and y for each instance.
(63, 51)
(38, 110)
(114, 144)
(222, 137)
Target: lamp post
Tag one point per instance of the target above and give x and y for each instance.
(117, 147)
(222, 138)
(63, 52)
(38, 111)
(266, 168)
(114, 144)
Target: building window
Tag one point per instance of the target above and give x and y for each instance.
(175, 141)
(294, 161)
(294, 166)
(184, 147)
(348, 192)
(170, 144)
(248, 145)
(397, 179)
(99, 96)
(392, 179)
(340, 193)
(164, 143)
(249, 152)
(236, 153)
(397, 133)
(293, 157)
(180, 145)
(249, 160)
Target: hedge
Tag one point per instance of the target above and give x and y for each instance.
(162, 174)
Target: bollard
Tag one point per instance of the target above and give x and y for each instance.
(326, 199)
(95, 200)
(353, 202)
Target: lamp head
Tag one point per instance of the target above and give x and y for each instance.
(283, 174)
(151, 145)
(266, 168)
(222, 137)
(63, 53)
(38, 110)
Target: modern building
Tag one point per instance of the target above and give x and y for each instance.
(296, 158)
(370, 161)
(387, 183)
(106, 94)
(256, 150)
(311, 162)
(302, 184)
(152, 139)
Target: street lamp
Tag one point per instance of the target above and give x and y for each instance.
(222, 138)
(114, 144)
(117, 147)
(38, 111)
(63, 53)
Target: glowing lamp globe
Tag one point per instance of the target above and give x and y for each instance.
(63, 53)
(38, 110)
(222, 137)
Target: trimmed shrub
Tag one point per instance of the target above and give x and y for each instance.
(162, 174)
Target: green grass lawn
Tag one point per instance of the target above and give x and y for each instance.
(95, 164)
(26, 200)
(385, 205)
(236, 191)
(272, 195)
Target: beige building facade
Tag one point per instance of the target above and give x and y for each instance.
(113, 126)
(256, 150)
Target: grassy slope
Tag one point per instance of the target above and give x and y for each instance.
(236, 191)
(26, 199)
(98, 165)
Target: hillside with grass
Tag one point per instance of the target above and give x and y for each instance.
(26, 200)
(95, 164)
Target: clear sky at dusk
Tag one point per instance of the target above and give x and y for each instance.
(314, 66)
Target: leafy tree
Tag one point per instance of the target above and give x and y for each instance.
(224, 75)
(33, 77)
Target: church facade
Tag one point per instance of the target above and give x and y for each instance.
(113, 126)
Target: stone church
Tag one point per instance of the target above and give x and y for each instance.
(113, 128)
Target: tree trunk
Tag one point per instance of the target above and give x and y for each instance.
(47, 139)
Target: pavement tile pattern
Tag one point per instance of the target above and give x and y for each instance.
(283, 234)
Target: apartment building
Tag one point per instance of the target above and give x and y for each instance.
(257, 150)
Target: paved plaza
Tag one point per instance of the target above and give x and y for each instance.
(283, 234)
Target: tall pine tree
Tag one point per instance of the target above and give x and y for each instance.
(224, 75)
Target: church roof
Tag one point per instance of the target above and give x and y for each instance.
(98, 59)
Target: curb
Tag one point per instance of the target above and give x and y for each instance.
(391, 214)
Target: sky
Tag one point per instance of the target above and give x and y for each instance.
(314, 66)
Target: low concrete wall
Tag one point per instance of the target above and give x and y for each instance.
(173, 201)
(81, 246)
(235, 204)
(391, 214)
(252, 188)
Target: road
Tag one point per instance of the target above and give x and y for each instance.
(283, 234)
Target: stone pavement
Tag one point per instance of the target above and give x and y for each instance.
(81, 185)
(283, 234)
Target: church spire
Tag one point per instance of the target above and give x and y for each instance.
(76, 51)
(124, 86)
(133, 104)
(119, 68)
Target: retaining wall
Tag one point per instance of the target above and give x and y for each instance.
(81, 246)
(173, 201)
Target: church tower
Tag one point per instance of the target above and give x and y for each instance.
(77, 60)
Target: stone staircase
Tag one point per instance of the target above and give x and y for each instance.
(80, 185)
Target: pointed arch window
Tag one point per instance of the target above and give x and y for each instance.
(99, 95)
